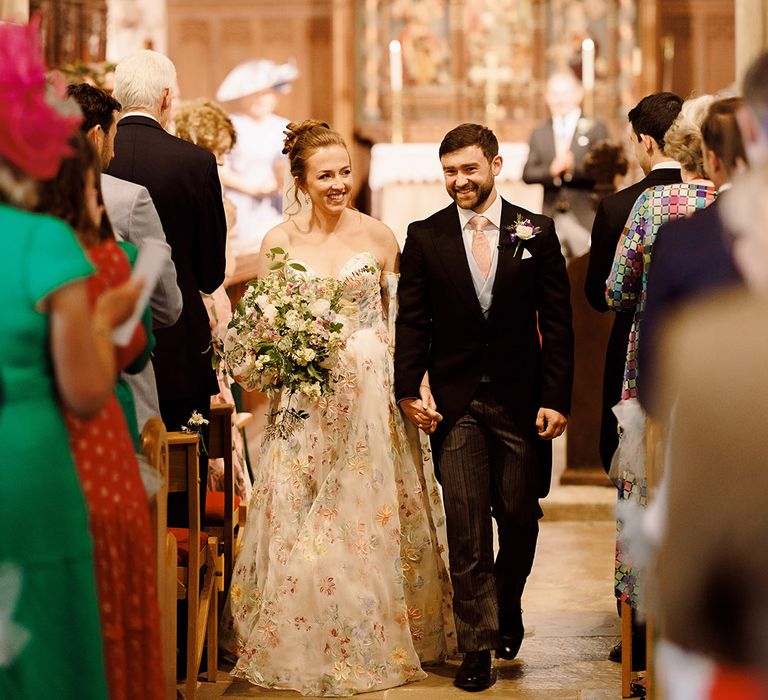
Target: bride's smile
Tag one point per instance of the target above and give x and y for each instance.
(329, 179)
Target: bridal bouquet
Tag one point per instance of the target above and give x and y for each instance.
(285, 334)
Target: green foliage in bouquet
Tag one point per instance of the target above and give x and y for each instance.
(285, 335)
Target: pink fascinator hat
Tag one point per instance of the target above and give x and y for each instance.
(33, 132)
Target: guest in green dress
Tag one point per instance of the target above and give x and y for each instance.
(51, 350)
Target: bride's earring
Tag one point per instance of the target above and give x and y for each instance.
(304, 200)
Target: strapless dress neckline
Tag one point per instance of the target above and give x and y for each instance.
(344, 271)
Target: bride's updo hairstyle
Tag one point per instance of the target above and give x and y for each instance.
(302, 140)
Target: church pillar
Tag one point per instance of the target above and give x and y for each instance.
(343, 28)
(751, 32)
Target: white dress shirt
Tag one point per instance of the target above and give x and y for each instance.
(483, 286)
(563, 129)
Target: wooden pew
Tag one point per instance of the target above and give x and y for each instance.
(197, 554)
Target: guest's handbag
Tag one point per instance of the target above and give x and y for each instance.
(630, 455)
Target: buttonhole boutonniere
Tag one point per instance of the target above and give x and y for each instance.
(521, 230)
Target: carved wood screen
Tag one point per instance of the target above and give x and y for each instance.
(74, 31)
(446, 46)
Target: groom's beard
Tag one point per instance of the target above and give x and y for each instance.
(479, 193)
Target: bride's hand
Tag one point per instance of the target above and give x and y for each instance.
(420, 413)
(428, 401)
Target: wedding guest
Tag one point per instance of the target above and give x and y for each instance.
(339, 587)
(649, 121)
(556, 152)
(692, 256)
(53, 351)
(254, 170)
(184, 185)
(118, 512)
(715, 507)
(753, 116)
(134, 219)
(626, 289)
(206, 124)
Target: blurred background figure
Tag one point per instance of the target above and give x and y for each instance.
(708, 589)
(557, 149)
(205, 123)
(253, 171)
(753, 116)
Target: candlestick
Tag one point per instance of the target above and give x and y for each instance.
(588, 64)
(396, 85)
(395, 66)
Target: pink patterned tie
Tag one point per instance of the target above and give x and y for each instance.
(481, 249)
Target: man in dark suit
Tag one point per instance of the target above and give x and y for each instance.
(557, 149)
(691, 256)
(478, 281)
(183, 182)
(134, 219)
(649, 121)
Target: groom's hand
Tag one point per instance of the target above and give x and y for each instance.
(421, 412)
(550, 423)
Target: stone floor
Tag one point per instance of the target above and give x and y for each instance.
(569, 614)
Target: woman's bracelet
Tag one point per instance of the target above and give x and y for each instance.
(425, 386)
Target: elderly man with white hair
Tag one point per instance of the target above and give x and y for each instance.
(183, 182)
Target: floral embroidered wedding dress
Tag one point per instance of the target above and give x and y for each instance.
(339, 587)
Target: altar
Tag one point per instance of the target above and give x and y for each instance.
(407, 184)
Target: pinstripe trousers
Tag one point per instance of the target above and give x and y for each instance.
(488, 469)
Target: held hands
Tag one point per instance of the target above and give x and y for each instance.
(422, 412)
(550, 424)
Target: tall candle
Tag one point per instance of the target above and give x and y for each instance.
(395, 66)
(588, 64)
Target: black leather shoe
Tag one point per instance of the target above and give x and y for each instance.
(475, 672)
(510, 636)
(638, 655)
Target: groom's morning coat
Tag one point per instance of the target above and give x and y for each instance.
(441, 327)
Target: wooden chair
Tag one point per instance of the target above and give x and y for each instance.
(197, 553)
(224, 513)
(154, 447)
(654, 463)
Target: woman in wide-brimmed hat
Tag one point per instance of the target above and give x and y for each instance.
(253, 171)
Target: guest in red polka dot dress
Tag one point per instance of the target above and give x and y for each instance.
(106, 462)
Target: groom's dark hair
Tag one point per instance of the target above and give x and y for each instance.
(465, 135)
(654, 114)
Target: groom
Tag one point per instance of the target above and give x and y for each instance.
(484, 363)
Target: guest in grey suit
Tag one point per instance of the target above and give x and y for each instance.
(134, 219)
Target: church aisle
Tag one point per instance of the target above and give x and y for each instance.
(571, 624)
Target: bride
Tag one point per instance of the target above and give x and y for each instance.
(339, 587)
